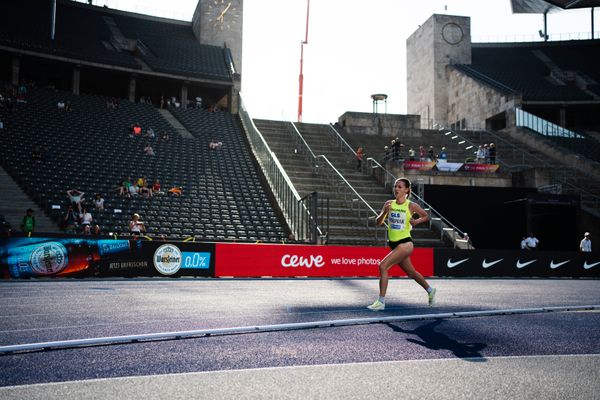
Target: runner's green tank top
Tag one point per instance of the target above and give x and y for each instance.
(399, 221)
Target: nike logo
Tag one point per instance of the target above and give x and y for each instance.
(521, 265)
(553, 266)
(486, 264)
(452, 264)
(588, 266)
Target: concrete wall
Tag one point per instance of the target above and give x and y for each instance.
(475, 102)
(357, 123)
(212, 32)
(440, 41)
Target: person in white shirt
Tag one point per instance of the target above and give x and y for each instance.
(524, 244)
(586, 243)
(532, 242)
(86, 217)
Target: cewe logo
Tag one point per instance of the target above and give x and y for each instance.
(167, 259)
(295, 261)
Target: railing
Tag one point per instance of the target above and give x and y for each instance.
(543, 127)
(437, 220)
(326, 169)
(535, 38)
(296, 210)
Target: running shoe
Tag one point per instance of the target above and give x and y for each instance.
(377, 306)
(431, 296)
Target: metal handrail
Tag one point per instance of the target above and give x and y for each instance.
(335, 170)
(340, 139)
(301, 222)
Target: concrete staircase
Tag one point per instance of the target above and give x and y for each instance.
(346, 226)
(15, 202)
(179, 128)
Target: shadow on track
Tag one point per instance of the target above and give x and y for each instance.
(434, 340)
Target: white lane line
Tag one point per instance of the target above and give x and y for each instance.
(278, 327)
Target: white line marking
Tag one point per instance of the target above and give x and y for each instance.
(278, 327)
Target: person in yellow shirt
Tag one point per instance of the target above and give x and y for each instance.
(399, 215)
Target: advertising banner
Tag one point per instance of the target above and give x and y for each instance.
(448, 166)
(419, 165)
(515, 263)
(481, 167)
(253, 260)
(23, 257)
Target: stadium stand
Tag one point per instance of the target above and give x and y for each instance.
(90, 149)
(111, 37)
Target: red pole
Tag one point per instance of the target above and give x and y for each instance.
(301, 77)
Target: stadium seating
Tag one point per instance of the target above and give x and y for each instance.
(90, 149)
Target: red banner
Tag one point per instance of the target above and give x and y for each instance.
(419, 165)
(278, 260)
(481, 167)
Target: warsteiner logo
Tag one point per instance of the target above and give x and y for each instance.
(167, 259)
(49, 259)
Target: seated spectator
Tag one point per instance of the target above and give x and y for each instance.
(60, 105)
(96, 230)
(164, 136)
(148, 150)
(198, 102)
(86, 230)
(123, 187)
(176, 191)
(98, 202)
(136, 227)
(75, 197)
(36, 154)
(156, 187)
(68, 106)
(70, 220)
(136, 130)
(85, 217)
(150, 134)
(215, 144)
(28, 223)
(133, 191)
(146, 191)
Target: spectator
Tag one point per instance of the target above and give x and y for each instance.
(486, 153)
(524, 243)
(359, 157)
(150, 134)
(198, 102)
(96, 230)
(386, 153)
(28, 223)
(68, 107)
(443, 155)
(148, 150)
(75, 197)
(132, 190)
(85, 217)
(422, 154)
(430, 154)
(60, 105)
(162, 101)
(492, 153)
(586, 243)
(1, 124)
(124, 187)
(176, 191)
(136, 130)
(411, 154)
(164, 136)
(532, 242)
(70, 220)
(215, 144)
(86, 230)
(480, 155)
(156, 187)
(136, 227)
(146, 191)
(98, 202)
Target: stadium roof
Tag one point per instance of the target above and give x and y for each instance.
(543, 6)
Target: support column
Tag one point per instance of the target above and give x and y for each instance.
(16, 70)
(76, 79)
(233, 97)
(184, 95)
(563, 117)
(132, 84)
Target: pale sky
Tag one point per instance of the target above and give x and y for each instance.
(355, 47)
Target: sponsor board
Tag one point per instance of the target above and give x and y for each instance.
(180, 258)
(250, 260)
(419, 165)
(481, 167)
(472, 263)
